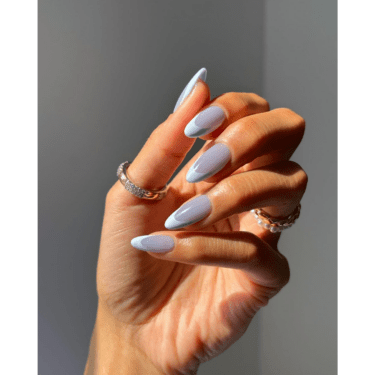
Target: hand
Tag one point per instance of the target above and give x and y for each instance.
(176, 309)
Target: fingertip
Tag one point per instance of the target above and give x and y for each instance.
(205, 90)
(198, 97)
(154, 243)
(201, 75)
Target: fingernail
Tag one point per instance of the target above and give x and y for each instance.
(202, 74)
(211, 162)
(153, 243)
(205, 122)
(189, 213)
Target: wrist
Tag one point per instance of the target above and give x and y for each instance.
(112, 352)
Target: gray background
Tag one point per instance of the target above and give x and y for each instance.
(109, 73)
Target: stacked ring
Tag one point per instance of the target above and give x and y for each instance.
(275, 225)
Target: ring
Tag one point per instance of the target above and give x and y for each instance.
(276, 225)
(136, 190)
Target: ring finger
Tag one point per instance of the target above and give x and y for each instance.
(278, 188)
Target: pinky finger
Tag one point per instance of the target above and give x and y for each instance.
(239, 250)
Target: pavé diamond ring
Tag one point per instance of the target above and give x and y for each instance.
(136, 190)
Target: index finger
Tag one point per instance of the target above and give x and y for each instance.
(167, 145)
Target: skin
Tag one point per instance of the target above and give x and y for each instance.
(167, 313)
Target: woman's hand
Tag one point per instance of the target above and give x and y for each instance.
(167, 312)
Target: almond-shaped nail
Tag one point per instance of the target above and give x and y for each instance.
(189, 213)
(201, 74)
(153, 243)
(205, 122)
(209, 163)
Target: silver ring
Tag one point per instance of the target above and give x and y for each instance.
(136, 190)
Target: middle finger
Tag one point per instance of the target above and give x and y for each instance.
(277, 131)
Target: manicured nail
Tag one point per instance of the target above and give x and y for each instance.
(189, 213)
(202, 74)
(205, 122)
(153, 243)
(211, 162)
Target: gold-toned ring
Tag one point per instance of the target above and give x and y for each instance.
(136, 190)
(276, 224)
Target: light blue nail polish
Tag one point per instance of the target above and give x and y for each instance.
(201, 74)
(205, 122)
(189, 213)
(209, 163)
(153, 243)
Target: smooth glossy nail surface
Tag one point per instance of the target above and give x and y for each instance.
(202, 74)
(153, 243)
(189, 213)
(205, 122)
(211, 162)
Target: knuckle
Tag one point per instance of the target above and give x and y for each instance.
(251, 126)
(245, 103)
(299, 123)
(260, 102)
(266, 105)
(285, 112)
(301, 181)
(230, 97)
(233, 95)
(299, 177)
(295, 119)
(251, 103)
(285, 274)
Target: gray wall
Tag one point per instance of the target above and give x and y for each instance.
(110, 72)
(298, 327)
